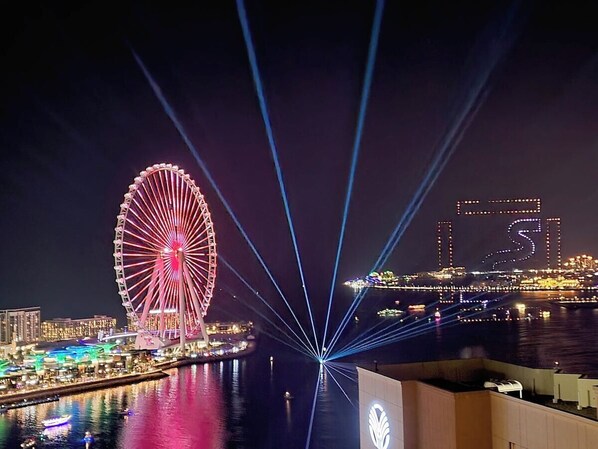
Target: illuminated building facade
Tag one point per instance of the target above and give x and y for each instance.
(232, 328)
(532, 240)
(581, 264)
(67, 328)
(515, 206)
(20, 325)
(460, 404)
(444, 240)
(553, 243)
(217, 327)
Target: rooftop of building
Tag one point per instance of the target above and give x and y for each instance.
(466, 375)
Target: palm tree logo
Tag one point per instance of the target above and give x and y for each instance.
(379, 427)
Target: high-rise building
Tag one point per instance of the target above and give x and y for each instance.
(20, 325)
(444, 239)
(553, 243)
(68, 328)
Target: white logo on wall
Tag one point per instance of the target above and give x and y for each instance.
(379, 427)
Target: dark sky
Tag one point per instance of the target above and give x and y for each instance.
(78, 121)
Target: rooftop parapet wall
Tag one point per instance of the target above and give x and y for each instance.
(535, 380)
(540, 381)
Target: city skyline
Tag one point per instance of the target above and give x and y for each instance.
(205, 205)
(81, 121)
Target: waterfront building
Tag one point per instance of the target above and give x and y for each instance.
(229, 327)
(20, 325)
(465, 404)
(212, 328)
(68, 328)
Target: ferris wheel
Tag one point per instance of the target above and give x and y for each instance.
(165, 256)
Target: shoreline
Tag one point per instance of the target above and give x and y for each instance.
(251, 347)
(126, 379)
(82, 387)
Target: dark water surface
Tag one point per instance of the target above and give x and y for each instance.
(240, 404)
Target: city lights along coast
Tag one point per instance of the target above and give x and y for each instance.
(165, 265)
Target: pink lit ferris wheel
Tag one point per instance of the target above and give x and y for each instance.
(165, 256)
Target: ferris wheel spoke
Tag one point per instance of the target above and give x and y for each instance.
(199, 307)
(147, 208)
(188, 208)
(147, 229)
(199, 251)
(165, 195)
(198, 273)
(170, 301)
(135, 299)
(164, 205)
(138, 283)
(152, 246)
(190, 212)
(137, 274)
(132, 254)
(197, 240)
(138, 264)
(201, 264)
(154, 207)
(147, 251)
(196, 218)
(196, 231)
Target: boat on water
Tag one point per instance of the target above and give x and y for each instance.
(578, 303)
(288, 396)
(29, 442)
(56, 421)
(88, 438)
(27, 403)
(390, 312)
(126, 412)
(417, 308)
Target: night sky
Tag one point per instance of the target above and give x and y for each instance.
(78, 121)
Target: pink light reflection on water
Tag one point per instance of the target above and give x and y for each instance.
(186, 412)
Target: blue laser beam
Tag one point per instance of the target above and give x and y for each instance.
(476, 94)
(308, 346)
(335, 365)
(364, 337)
(293, 345)
(365, 93)
(397, 332)
(257, 80)
(437, 166)
(338, 385)
(181, 130)
(361, 337)
(313, 409)
(402, 334)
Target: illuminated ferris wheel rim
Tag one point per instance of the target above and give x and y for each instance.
(205, 259)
